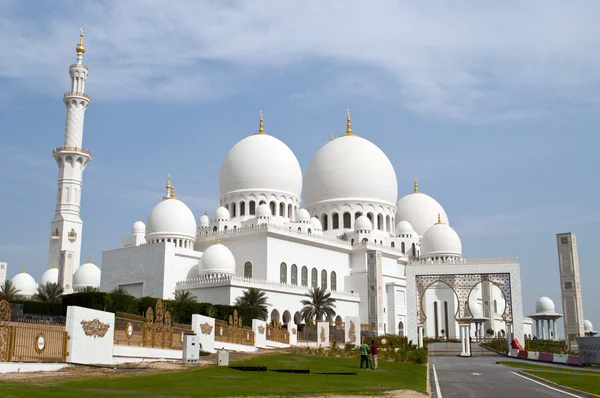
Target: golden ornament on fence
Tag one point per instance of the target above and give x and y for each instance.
(322, 334)
(261, 329)
(206, 328)
(95, 328)
(352, 332)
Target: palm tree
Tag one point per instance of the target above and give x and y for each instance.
(320, 306)
(50, 292)
(89, 289)
(255, 299)
(185, 295)
(8, 290)
(119, 290)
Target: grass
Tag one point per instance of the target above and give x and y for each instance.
(216, 381)
(535, 366)
(589, 383)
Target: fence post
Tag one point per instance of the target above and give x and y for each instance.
(323, 334)
(204, 327)
(293, 333)
(91, 335)
(259, 327)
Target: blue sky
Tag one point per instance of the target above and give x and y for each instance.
(494, 107)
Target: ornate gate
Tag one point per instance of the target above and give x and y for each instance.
(157, 331)
(5, 332)
(276, 333)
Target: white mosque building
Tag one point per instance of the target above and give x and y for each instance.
(275, 229)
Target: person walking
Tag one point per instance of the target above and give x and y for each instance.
(364, 355)
(374, 351)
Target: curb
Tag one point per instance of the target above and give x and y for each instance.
(553, 384)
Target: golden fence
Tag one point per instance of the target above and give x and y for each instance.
(155, 330)
(276, 333)
(30, 341)
(233, 331)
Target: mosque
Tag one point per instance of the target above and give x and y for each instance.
(275, 229)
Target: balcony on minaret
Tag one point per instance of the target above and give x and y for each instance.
(72, 235)
(78, 66)
(55, 235)
(71, 149)
(76, 94)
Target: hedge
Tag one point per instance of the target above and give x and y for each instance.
(31, 307)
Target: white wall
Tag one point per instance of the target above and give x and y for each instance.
(89, 349)
(206, 338)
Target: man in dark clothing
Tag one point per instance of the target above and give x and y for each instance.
(364, 355)
(374, 353)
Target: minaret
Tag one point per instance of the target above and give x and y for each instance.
(66, 226)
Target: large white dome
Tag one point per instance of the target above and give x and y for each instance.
(350, 168)
(421, 211)
(260, 162)
(25, 284)
(171, 218)
(217, 259)
(49, 276)
(587, 326)
(544, 305)
(86, 275)
(441, 241)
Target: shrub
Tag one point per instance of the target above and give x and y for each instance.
(32, 307)
(93, 300)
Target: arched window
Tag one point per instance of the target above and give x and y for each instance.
(393, 244)
(215, 228)
(273, 208)
(435, 320)
(324, 222)
(347, 220)
(335, 221)
(309, 231)
(294, 274)
(380, 222)
(289, 211)
(282, 209)
(248, 270)
(242, 208)
(387, 223)
(352, 242)
(252, 208)
(67, 194)
(333, 281)
(233, 210)
(323, 280)
(365, 240)
(370, 217)
(495, 307)
(446, 325)
(313, 278)
(227, 206)
(262, 202)
(401, 329)
(403, 247)
(357, 214)
(299, 229)
(304, 276)
(414, 250)
(283, 273)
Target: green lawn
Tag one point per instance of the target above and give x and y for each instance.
(589, 384)
(212, 381)
(535, 366)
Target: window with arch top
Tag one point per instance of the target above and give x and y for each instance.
(294, 274)
(333, 281)
(252, 207)
(283, 273)
(248, 270)
(324, 280)
(242, 208)
(282, 209)
(347, 220)
(314, 278)
(304, 276)
(324, 222)
(335, 221)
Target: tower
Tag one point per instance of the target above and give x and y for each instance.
(71, 158)
(570, 285)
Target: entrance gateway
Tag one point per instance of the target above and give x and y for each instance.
(462, 276)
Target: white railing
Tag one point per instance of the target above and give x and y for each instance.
(220, 279)
(464, 261)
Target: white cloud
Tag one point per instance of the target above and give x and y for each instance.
(460, 60)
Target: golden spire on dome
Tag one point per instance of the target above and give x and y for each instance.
(348, 123)
(415, 184)
(332, 137)
(54, 265)
(173, 192)
(89, 259)
(80, 47)
(23, 270)
(218, 240)
(439, 219)
(261, 126)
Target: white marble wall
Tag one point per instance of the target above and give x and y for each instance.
(323, 334)
(293, 330)
(347, 324)
(260, 339)
(95, 346)
(206, 337)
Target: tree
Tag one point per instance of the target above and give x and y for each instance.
(49, 292)
(89, 289)
(8, 291)
(120, 290)
(319, 306)
(490, 332)
(255, 299)
(185, 295)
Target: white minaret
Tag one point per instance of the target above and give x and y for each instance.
(66, 226)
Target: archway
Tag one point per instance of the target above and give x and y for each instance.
(401, 329)
(339, 322)
(275, 315)
(439, 306)
(487, 303)
(286, 317)
(298, 318)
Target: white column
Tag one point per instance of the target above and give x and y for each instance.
(555, 330)
(509, 337)
(464, 340)
(420, 334)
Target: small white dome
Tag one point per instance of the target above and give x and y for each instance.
(260, 162)
(263, 210)
(86, 275)
(476, 310)
(49, 276)
(302, 215)
(363, 223)
(171, 218)
(222, 214)
(421, 211)
(25, 284)
(315, 223)
(544, 305)
(587, 326)
(441, 241)
(138, 228)
(217, 259)
(404, 228)
(204, 221)
(350, 168)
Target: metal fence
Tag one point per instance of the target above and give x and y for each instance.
(276, 333)
(233, 331)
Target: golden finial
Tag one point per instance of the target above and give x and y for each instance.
(89, 259)
(261, 127)
(54, 265)
(80, 47)
(348, 123)
(403, 218)
(218, 240)
(332, 138)
(168, 181)
(23, 270)
(439, 219)
(172, 191)
(415, 184)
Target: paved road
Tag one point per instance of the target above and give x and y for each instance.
(480, 377)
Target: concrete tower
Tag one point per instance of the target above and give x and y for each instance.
(570, 285)
(66, 226)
